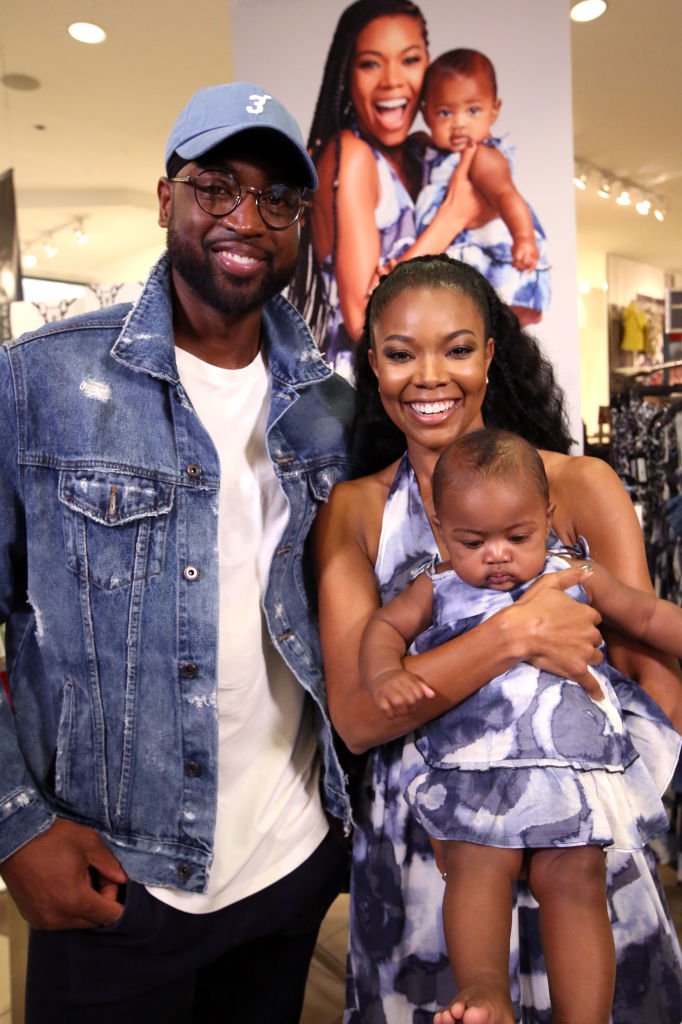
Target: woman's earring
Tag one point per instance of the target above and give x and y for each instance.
(486, 379)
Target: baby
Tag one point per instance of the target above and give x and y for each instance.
(529, 772)
(506, 243)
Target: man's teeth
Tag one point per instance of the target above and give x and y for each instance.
(243, 259)
(431, 408)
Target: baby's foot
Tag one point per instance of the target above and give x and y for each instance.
(485, 1000)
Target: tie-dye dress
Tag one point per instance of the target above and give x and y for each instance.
(530, 760)
(398, 970)
(394, 218)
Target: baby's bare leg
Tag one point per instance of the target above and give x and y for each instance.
(477, 908)
(570, 886)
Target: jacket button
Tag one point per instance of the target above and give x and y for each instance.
(183, 870)
(193, 470)
(191, 573)
(193, 769)
(189, 670)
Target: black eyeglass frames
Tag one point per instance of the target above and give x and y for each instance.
(218, 193)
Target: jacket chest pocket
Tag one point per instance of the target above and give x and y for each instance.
(115, 525)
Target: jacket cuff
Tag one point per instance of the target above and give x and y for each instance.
(23, 815)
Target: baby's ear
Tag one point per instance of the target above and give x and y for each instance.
(550, 512)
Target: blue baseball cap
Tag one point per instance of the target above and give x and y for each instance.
(218, 112)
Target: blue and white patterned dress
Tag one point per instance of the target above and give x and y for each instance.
(394, 217)
(398, 970)
(530, 760)
(487, 248)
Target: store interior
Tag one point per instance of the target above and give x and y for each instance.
(83, 132)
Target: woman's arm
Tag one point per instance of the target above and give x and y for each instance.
(358, 246)
(551, 627)
(462, 207)
(592, 502)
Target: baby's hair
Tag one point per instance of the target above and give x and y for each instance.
(487, 455)
(461, 62)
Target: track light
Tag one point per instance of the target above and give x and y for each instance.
(79, 233)
(580, 178)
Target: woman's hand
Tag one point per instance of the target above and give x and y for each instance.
(562, 633)
(462, 207)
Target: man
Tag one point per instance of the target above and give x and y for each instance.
(162, 826)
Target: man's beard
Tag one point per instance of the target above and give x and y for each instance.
(226, 294)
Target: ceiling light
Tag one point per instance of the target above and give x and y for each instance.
(580, 179)
(624, 198)
(79, 233)
(86, 32)
(49, 248)
(604, 190)
(29, 261)
(587, 10)
(643, 206)
(659, 213)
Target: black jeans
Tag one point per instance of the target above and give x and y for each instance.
(157, 965)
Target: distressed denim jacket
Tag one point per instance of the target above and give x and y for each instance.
(108, 577)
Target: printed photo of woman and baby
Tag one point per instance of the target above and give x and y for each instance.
(389, 192)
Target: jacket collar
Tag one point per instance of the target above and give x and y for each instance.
(146, 340)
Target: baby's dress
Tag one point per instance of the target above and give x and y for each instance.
(488, 248)
(398, 967)
(530, 760)
(394, 217)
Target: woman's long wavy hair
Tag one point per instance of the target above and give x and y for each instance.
(522, 393)
(333, 113)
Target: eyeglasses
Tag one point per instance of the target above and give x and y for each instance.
(218, 193)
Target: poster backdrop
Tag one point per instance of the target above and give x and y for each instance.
(283, 46)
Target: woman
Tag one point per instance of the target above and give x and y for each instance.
(363, 216)
(435, 331)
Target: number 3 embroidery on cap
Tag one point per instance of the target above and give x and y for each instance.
(258, 101)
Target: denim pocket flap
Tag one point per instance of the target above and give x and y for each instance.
(322, 480)
(114, 499)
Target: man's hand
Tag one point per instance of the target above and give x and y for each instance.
(51, 879)
(566, 638)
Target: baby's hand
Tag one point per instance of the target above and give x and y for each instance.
(525, 253)
(398, 692)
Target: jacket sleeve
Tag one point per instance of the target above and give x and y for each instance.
(23, 812)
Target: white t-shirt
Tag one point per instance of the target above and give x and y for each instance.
(269, 815)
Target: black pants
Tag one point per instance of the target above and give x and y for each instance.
(157, 965)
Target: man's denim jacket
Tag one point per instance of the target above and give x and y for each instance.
(108, 577)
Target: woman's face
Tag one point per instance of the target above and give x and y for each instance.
(386, 77)
(431, 357)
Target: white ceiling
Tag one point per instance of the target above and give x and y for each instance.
(89, 141)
